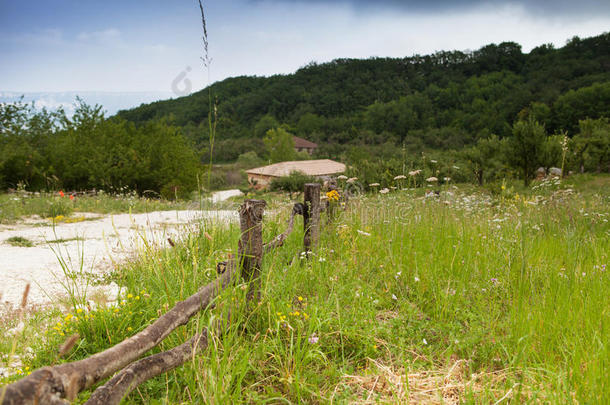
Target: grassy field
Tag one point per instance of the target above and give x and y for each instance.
(19, 205)
(467, 297)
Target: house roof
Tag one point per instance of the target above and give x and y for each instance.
(318, 167)
(303, 143)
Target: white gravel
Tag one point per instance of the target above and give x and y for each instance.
(101, 242)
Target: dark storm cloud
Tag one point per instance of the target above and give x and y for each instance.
(542, 8)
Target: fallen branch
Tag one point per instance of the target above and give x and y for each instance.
(278, 241)
(48, 385)
(144, 369)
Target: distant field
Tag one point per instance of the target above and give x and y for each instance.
(465, 297)
(16, 206)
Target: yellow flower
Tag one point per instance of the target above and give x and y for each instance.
(129, 329)
(79, 310)
(333, 195)
(300, 298)
(129, 295)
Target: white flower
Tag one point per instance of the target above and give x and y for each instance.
(374, 185)
(399, 177)
(384, 190)
(416, 279)
(433, 161)
(351, 180)
(431, 179)
(425, 341)
(313, 339)
(321, 259)
(447, 178)
(363, 233)
(342, 177)
(394, 297)
(414, 172)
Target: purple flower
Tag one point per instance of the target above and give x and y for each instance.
(313, 339)
(494, 281)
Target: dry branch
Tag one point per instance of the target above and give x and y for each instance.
(278, 241)
(144, 369)
(48, 385)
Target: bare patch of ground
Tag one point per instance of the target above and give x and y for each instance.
(61, 252)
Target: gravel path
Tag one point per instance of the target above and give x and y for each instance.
(95, 243)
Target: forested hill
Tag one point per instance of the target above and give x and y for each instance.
(440, 101)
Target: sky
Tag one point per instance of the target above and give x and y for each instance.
(155, 45)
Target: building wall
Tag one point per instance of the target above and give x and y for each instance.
(259, 181)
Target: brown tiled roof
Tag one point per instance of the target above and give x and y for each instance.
(318, 167)
(303, 143)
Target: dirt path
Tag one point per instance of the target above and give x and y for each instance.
(91, 245)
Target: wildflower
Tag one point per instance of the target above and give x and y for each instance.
(342, 177)
(313, 339)
(374, 347)
(333, 195)
(384, 191)
(300, 298)
(352, 180)
(416, 279)
(129, 295)
(374, 185)
(447, 179)
(414, 173)
(456, 167)
(61, 193)
(394, 297)
(72, 197)
(425, 341)
(129, 329)
(431, 179)
(363, 233)
(400, 177)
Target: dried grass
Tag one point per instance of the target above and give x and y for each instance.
(381, 383)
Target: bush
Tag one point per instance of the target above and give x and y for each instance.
(294, 183)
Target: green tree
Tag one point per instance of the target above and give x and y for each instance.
(485, 158)
(591, 146)
(525, 147)
(280, 145)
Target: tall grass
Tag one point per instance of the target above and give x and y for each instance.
(408, 299)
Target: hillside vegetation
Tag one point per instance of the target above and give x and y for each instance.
(479, 116)
(442, 101)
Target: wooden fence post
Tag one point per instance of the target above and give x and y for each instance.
(250, 247)
(311, 216)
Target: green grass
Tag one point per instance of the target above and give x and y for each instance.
(14, 207)
(407, 299)
(19, 241)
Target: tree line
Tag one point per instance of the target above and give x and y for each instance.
(492, 113)
(47, 150)
(443, 101)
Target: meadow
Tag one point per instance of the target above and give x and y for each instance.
(22, 204)
(465, 297)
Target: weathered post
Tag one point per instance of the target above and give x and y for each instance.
(250, 248)
(311, 216)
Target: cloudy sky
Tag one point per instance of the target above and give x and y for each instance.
(155, 45)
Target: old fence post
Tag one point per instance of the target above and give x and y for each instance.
(311, 216)
(250, 247)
